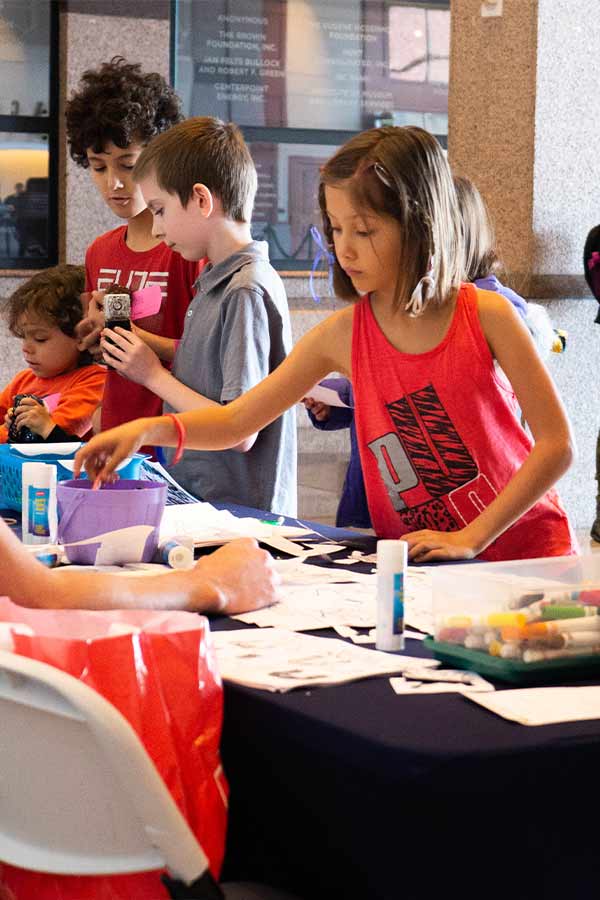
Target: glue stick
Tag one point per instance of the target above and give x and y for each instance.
(175, 554)
(391, 574)
(38, 489)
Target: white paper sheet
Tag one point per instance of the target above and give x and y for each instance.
(543, 706)
(119, 547)
(315, 597)
(276, 660)
(208, 526)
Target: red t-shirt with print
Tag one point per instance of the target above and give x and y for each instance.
(109, 260)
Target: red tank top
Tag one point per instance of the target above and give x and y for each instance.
(439, 436)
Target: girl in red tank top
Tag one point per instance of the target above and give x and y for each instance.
(437, 368)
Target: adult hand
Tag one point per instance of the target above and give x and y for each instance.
(427, 546)
(103, 453)
(321, 411)
(129, 355)
(242, 575)
(33, 415)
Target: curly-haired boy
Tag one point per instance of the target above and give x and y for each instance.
(115, 112)
(62, 389)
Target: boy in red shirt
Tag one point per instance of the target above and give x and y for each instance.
(66, 389)
(110, 119)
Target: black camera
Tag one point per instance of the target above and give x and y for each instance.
(22, 435)
(117, 310)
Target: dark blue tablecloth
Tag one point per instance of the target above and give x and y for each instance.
(353, 792)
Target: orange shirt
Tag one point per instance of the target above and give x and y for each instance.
(71, 398)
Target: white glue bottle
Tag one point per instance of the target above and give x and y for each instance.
(38, 487)
(391, 573)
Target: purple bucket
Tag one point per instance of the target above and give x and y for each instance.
(84, 513)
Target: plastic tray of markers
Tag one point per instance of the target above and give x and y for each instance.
(551, 671)
(527, 621)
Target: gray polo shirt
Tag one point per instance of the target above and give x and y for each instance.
(237, 330)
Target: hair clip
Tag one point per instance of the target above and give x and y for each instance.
(382, 174)
(422, 293)
(323, 252)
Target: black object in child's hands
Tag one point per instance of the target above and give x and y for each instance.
(22, 435)
(117, 309)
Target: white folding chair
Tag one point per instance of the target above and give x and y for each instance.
(79, 794)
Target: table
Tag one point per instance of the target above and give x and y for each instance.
(349, 791)
(353, 792)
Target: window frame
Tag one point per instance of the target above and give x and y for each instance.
(42, 125)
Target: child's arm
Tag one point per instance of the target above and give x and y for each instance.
(163, 347)
(236, 578)
(75, 404)
(552, 453)
(326, 348)
(132, 357)
(5, 402)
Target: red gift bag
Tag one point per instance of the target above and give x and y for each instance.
(159, 670)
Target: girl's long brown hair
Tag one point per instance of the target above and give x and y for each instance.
(402, 173)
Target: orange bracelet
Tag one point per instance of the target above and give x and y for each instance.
(181, 434)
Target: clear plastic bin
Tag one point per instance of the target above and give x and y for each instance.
(519, 620)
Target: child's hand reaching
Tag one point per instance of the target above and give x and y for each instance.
(321, 411)
(129, 355)
(32, 414)
(103, 453)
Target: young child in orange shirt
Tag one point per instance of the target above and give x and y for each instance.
(63, 388)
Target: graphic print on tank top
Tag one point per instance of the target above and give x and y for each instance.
(430, 477)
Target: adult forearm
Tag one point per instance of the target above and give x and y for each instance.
(95, 590)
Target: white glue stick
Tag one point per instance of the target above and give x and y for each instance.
(38, 487)
(175, 554)
(391, 572)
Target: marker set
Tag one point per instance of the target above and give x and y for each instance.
(539, 626)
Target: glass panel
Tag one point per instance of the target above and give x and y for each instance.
(24, 57)
(286, 201)
(288, 69)
(23, 198)
(336, 64)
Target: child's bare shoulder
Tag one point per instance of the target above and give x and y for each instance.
(336, 327)
(494, 309)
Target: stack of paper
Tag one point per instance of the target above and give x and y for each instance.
(314, 597)
(206, 525)
(276, 660)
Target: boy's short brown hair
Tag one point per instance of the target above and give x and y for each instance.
(53, 295)
(203, 150)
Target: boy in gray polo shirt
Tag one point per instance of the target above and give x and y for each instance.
(199, 181)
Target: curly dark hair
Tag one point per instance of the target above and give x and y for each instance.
(118, 103)
(54, 295)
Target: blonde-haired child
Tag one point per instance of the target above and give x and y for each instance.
(482, 265)
(447, 465)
